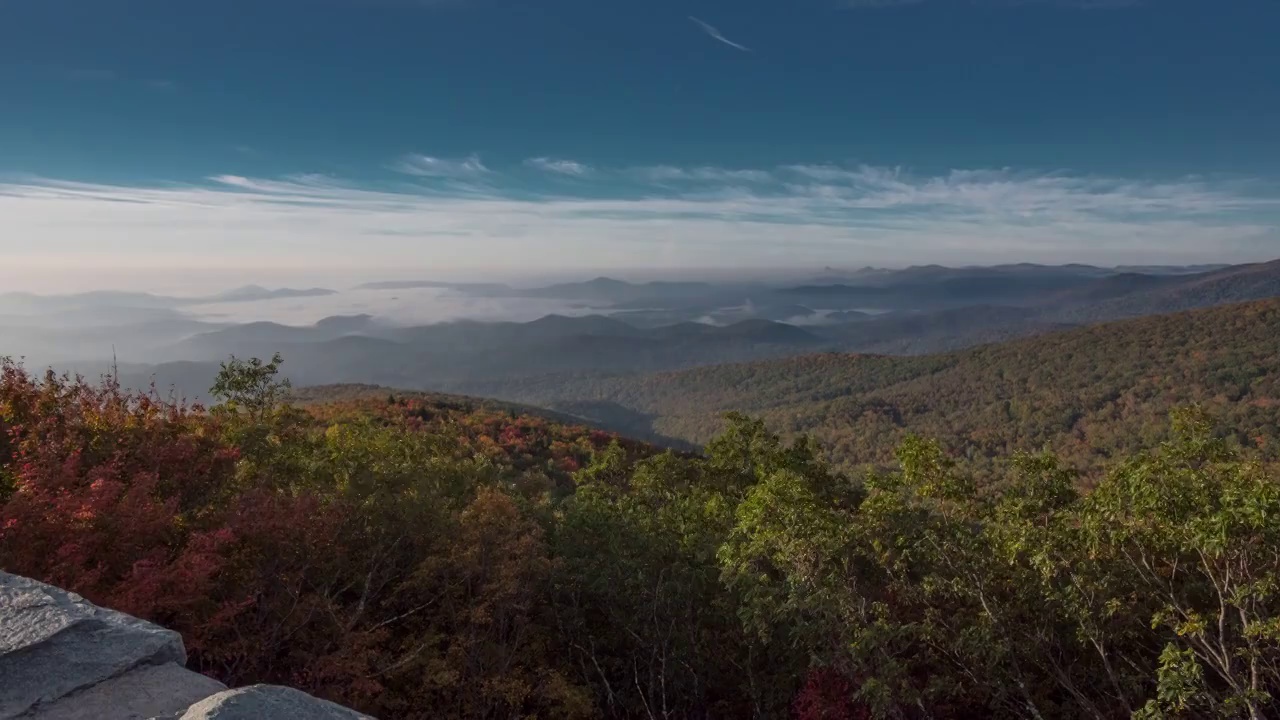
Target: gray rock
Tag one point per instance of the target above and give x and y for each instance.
(53, 643)
(63, 658)
(259, 702)
(145, 692)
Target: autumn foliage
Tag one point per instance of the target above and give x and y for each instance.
(113, 495)
(385, 560)
(417, 556)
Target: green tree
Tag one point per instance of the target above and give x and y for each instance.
(640, 596)
(250, 385)
(1197, 531)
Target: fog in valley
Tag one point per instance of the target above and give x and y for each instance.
(513, 338)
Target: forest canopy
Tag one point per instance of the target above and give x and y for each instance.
(420, 558)
(1092, 395)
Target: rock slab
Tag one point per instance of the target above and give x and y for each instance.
(152, 691)
(64, 658)
(53, 643)
(256, 702)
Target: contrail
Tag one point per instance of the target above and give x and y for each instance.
(716, 34)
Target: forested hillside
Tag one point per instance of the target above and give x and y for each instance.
(427, 557)
(1089, 394)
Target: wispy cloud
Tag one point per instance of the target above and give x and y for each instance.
(433, 167)
(310, 185)
(671, 173)
(563, 167)
(791, 215)
(717, 35)
(1044, 198)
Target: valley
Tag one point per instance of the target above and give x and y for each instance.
(607, 327)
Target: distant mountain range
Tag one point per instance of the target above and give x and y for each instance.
(249, 293)
(21, 302)
(451, 355)
(1089, 393)
(490, 288)
(917, 288)
(673, 325)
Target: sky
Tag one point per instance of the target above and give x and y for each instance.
(146, 141)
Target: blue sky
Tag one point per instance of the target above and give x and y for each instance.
(464, 135)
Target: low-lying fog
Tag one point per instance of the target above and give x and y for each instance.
(401, 332)
(410, 306)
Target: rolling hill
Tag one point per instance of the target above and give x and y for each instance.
(449, 356)
(1134, 295)
(1088, 393)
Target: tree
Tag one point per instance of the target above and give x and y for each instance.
(108, 494)
(640, 600)
(416, 559)
(1197, 531)
(250, 385)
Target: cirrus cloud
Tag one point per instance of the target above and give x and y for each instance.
(563, 167)
(427, 166)
(684, 216)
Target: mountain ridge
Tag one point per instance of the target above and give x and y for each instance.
(1096, 381)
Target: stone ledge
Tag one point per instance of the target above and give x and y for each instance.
(155, 691)
(268, 701)
(54, 643)
(64, 658)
